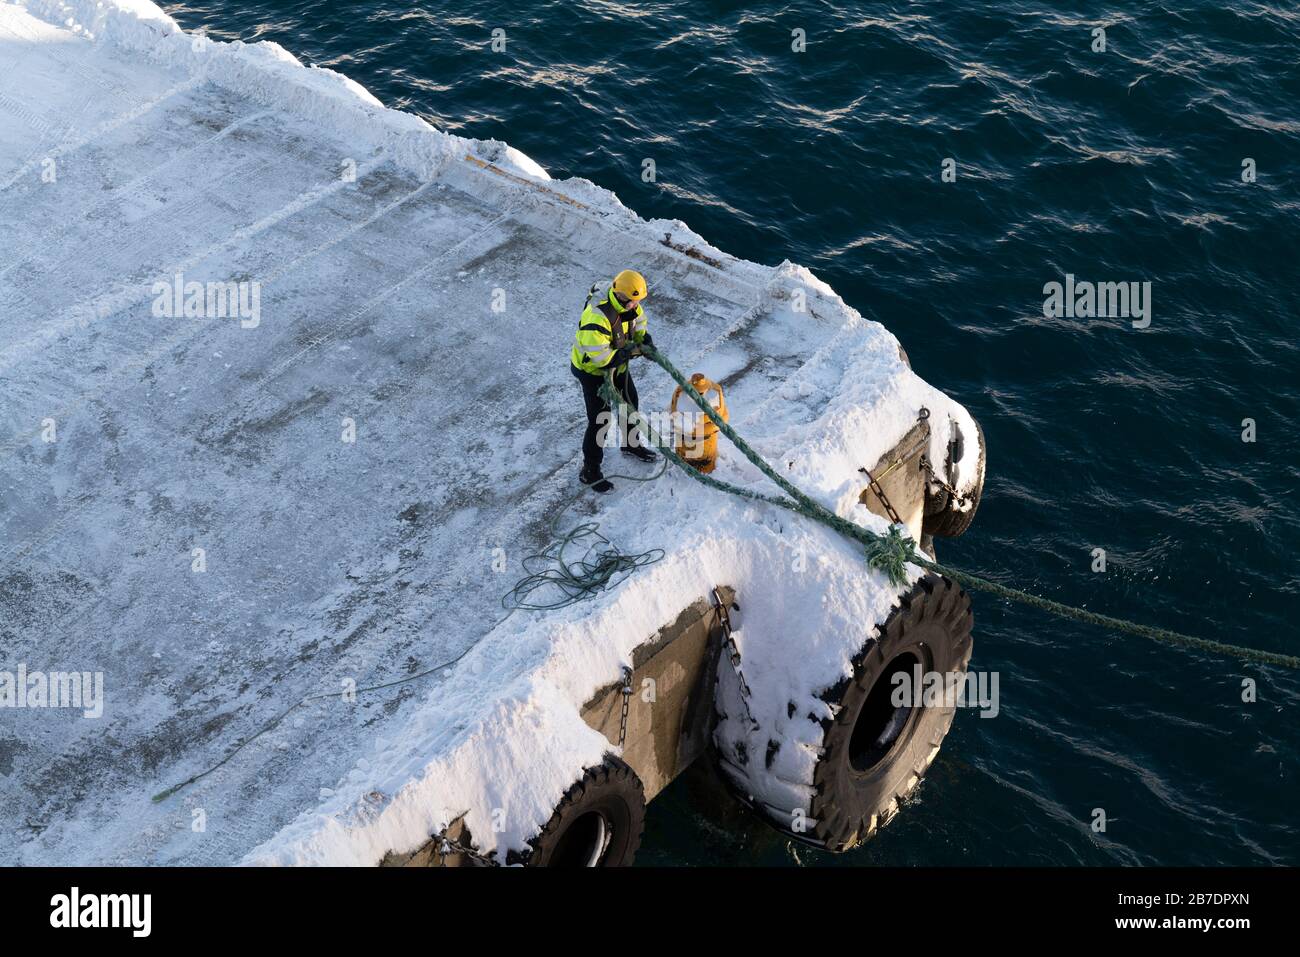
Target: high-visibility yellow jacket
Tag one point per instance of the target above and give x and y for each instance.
(603, 327)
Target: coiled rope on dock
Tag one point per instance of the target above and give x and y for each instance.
(602, 564)
(892, 552)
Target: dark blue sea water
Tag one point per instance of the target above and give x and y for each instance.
(1113, 166)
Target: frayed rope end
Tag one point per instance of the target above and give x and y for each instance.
(890, 553)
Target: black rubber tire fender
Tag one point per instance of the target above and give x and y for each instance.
(598, 822)
(941, 518)
(859, 783)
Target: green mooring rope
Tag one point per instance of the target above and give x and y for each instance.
(577, 579)
(892, 552)
(889, 553)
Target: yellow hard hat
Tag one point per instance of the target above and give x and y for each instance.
(630, 284)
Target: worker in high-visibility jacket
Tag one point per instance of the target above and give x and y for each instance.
(611, 331)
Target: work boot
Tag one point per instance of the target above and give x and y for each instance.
(595, 479)
(639, 452)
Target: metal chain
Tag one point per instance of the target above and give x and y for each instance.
(733, 654)
(934, 477)
(874, 481)
(724, 615)
(450, 844)
(880, 493)
(627, 699)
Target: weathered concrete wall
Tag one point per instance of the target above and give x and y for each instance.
(670, 711)
(670, 715)
(902, 480)
(431, 854)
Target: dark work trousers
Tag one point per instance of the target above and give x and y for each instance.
(592, 453)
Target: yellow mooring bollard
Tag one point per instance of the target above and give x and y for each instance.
(700, 448)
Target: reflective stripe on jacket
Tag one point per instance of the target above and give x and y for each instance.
(602, 328)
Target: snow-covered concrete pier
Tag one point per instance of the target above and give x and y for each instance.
(284, 400)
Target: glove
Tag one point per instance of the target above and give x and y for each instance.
(648, 340)
(622, 355)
